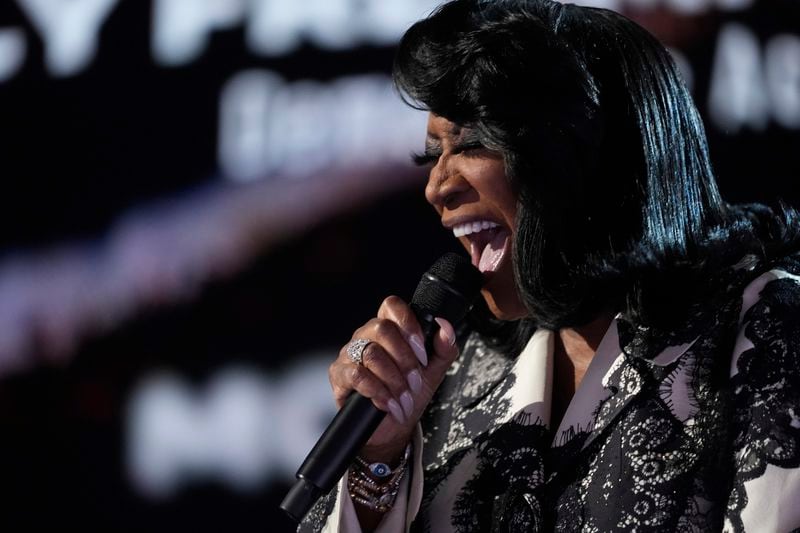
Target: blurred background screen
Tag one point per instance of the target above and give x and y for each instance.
(203, 198)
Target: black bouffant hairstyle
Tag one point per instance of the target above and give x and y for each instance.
(618, 207)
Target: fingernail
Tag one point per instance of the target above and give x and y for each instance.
(447, 329)
(408, 404)
(414, 381)
(396, 411)
(419, 349)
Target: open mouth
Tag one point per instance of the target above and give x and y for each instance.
(488, 243)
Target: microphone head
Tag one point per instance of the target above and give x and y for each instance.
(448, 288)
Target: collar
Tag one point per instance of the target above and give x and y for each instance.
(614, 378)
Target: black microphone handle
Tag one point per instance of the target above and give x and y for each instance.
(338, 446)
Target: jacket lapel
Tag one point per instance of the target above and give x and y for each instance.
(529, 397)
(603, 380)
(523, 386)
(497, 390)
(617, 374)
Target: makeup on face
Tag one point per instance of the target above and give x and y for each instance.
(468, 188)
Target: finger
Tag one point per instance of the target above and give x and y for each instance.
(383, 366)
(348, 377)
(444, 346)
(395, 309)
(389, 335)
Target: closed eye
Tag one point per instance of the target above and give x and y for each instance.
(424, 159)
(471, 149)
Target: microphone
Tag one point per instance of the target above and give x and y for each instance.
(446, 290)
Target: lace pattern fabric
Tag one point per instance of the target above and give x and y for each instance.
(687, 432)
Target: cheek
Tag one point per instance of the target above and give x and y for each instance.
(504, 200)
(497, 189)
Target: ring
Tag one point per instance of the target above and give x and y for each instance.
(355, 350)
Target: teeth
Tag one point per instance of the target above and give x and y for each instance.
(468, 228)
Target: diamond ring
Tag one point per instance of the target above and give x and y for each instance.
(355, 350)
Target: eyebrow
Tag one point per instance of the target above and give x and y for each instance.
(459, 134)
(469, 136)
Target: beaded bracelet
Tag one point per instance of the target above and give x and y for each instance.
(376, 494)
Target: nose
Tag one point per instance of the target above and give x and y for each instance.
(445, 185)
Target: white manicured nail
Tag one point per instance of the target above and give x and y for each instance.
(419, 349)
(414, 381)
(396, 411)
(447, 329)
(408, 404)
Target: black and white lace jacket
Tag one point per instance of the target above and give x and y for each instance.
(694, 429)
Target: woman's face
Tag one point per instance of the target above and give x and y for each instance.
(468, 188)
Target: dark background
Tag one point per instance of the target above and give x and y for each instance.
(128, 146)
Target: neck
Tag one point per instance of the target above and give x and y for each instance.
(573, 352)
(580, 343)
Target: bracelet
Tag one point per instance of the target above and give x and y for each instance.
(377, 495)
(382, 470)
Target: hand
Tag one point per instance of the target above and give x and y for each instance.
(396, 374)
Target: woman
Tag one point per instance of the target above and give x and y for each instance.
(635, 362)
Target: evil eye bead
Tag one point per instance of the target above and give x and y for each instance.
(380, 469)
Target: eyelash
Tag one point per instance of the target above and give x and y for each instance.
(425, 158)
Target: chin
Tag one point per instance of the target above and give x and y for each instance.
(501, 296)
(504, 307)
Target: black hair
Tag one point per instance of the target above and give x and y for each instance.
(602, 143)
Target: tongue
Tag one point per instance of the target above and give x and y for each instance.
(493, 253)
